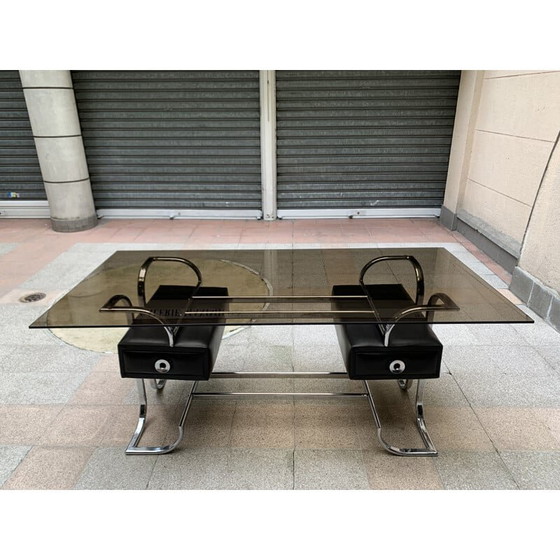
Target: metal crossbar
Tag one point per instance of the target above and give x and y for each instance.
(135, 449)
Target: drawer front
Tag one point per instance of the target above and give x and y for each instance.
(395, 364)
(164, 365)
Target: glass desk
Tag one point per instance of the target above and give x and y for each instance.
(379, 290)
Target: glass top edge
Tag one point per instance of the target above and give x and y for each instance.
(325, 267)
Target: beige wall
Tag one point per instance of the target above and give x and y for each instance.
(540, 256)
(513, 119)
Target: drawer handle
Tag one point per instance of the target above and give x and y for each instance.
(397, 366)
(162, 366)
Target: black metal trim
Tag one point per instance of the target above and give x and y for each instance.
(47, 87)
(65, 182)
(60, 136)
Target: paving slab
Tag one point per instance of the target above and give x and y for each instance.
(10, 457)
(39, 387)
(26, 424)
(456, 428)
(389, 472)
(7, 247)
(224, 469)
(269, 424)
(534, 470)
(329, 469)
(443, 391)
(110, 469)
(78, 426)
(518, 428)
(503, 376)
(49, 468)
(467, 470)
(317, 357)
(209, 423)
(321, 425)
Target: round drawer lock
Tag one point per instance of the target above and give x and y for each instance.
(397, 366)
(162, 366)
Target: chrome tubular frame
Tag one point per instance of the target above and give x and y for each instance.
(134, 449)
(418, 272)
(420, 287)
(447, 305)
(405, 384)
(158, 384)
(141, 286)
(111, 305)
(429, 450)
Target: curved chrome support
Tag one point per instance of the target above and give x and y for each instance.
(405, 384)
(419, 273)
(144, 271)
(133, 448)
(158, 384)
(448, 305)
(429, 309)
(429, 450)
(111, 306)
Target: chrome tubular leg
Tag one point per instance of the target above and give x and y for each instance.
(133, 447)
(420, 422)
(158, 384)
(405, 384)
(428, 451)
(142, 416)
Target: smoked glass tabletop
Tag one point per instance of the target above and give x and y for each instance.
(281, 286)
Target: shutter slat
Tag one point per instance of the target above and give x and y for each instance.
(361, 139)
(19, 165)
(171, 139)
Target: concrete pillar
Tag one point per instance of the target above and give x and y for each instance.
(49, 95)
(268, 143)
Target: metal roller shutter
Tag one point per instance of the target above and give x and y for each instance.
(20, 174)
(184, 140)
(359, 142)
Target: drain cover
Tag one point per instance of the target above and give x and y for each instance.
(30, 298)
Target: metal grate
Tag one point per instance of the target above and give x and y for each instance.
(30, 298)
